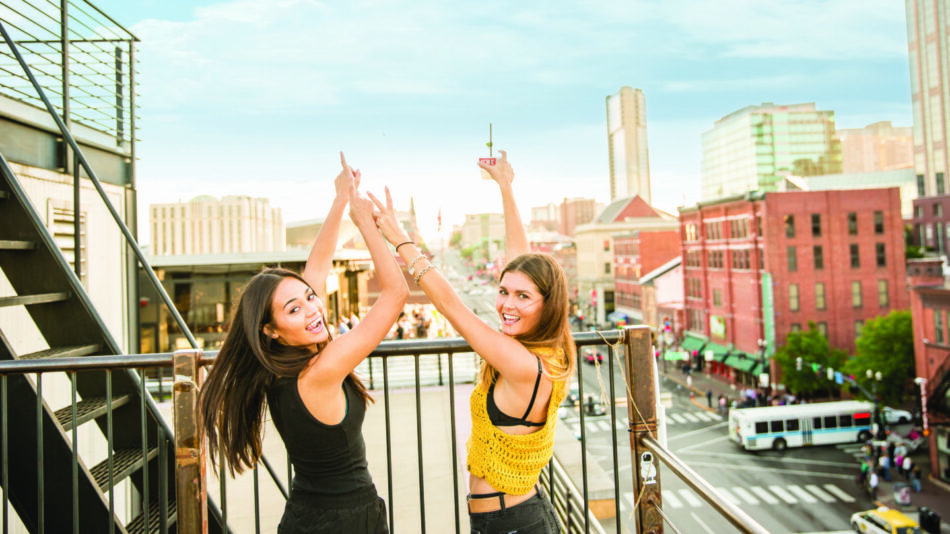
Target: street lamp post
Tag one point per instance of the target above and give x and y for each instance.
(878, 415)
(763, 344)
(922, 382)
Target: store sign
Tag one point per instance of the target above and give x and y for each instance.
(717, 326)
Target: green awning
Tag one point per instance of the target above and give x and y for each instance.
(756, 369)
(744, 363)
(718, 350)
(691, 343)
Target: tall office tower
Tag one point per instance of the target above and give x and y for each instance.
(754, 147)
(876, 147)
(627, 144)
(206, 225)
(929, 82)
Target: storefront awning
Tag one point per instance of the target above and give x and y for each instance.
(719, 351)
(691, 343)
(742, 362)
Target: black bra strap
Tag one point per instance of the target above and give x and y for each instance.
(537, 382)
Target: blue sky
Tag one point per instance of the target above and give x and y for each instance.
(257, 97)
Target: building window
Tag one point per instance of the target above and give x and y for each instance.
(761, 259)
(717, 297)
(852, 223)
(855, 256)
(938, 326)
(606, 245)
(920, 185)
(758, 224)
(607, 268)
(795, 327)
(820, 296)
(858, 326)
(789, 226)
(856, 299)
(792, 256)
(793, 297)
(880, 253)
(819, 257)
(882, 299)
(878, 222)
(918, 211)
(941, 187)
(823, 329)
(816, 225)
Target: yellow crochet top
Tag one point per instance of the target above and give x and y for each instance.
(508, 462)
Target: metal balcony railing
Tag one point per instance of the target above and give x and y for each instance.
(571, 494)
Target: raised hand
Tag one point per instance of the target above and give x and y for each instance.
(501, 171)
(361, 208)
(387, 221)
(346, 178)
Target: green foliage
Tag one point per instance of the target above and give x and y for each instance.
(886, 345)
(467, 252)
(456, 239)
(811, 347)
(912, 252)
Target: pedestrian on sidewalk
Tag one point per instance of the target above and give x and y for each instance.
(915, 477)
(279, 353)
(525, 370)
(709, 397)
(873, 481)
(722, 405)
(884, 462)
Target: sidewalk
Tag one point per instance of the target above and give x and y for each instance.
(934, 494)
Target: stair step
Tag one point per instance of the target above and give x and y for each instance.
(124, 461)
(17, 245)
(27, 300)
(87, 410)
(137, 525)
(61, 352)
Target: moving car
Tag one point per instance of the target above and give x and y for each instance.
(895, 416)
(591, 355)
(883, 520)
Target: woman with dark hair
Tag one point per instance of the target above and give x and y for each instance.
(279, 353)
(525, 370)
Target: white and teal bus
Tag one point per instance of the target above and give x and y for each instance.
(800, 425)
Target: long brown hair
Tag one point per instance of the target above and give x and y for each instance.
(554, 328)
(233, 397)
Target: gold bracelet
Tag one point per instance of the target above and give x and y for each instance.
(422, 272)
(412, 263)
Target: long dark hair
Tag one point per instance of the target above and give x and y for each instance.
(233, 397)
(554, 328)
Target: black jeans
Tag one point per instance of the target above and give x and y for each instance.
(534, 516)
(358, 512)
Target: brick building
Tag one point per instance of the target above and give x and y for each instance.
(637, 253)
(758, 266)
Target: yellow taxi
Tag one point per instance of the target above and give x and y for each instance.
(883, 520)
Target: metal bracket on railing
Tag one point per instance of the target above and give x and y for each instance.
(190, 482)
(640, 370)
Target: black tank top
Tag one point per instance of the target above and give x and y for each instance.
(500, 418)
(327, 459)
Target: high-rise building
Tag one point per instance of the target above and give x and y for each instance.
(206, 225)
(752, 148)
(876, 147)
(627, 145)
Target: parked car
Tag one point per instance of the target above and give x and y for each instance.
(590, 355)
(883, 520)
(895, 416)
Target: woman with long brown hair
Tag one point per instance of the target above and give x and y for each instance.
(525, 370)
(279, 353)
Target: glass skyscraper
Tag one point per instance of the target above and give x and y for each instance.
(754, 147)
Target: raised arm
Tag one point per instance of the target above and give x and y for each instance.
(504, 353)
(516, 239)
(341, 356)
(321, 255)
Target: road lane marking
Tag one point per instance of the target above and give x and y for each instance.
(746, 496)
(784, 495)
(603, 426)
(698, 520)
(822, 494)
(742, 454)
(702, 444)
(690, 498)
(671, 499)
(759, 468)
(839, 493)
(764, 495)
(677, 418)
(690, 417)
(729, 495)
(802, 494)
(699, 430)
(709, 416)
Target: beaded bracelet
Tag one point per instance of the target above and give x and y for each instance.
(412, 263)
(422, 272)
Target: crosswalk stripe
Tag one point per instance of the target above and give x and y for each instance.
(690, 498)
(691, 418)
(764, 495)
(677, 418)
(670, 498)
(839, 493)
(784, 495)
(822, 494)
(729, 495)
(709, 416)
(746, 496)
(604, 425)
(802, 494)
